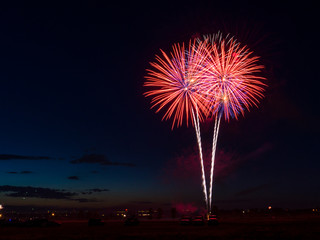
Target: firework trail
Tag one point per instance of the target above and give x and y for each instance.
(232, 85)
(213, 153)
(177, 86)
(198, 133)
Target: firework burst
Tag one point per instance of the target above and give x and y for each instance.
(230, 79)
(214, 77)
(176, 81)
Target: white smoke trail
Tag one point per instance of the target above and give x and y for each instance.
(197, 128)
(214, 146)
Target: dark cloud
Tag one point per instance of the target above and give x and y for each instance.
(251, 190)
(94, 190)
(99, 190)
(36, 192)
(22, 172)
(21, 157)
(44, 193)
(73, 178)
(86, 193)
(99, 159)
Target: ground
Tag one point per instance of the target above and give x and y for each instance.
(267, 227)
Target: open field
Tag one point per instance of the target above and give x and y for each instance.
(229, 228)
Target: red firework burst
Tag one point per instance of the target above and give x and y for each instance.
(230, 78)
(176, 82)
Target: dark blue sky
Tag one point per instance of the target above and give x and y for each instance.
(76, 129)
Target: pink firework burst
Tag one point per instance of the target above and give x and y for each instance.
(231, 78)
(176, 82)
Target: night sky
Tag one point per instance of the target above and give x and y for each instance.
(76, 130)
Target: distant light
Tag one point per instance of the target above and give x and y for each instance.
(124, 215)
(1, 207)
(126, 210)
(52, 214)
(269, 207)
(0, 215)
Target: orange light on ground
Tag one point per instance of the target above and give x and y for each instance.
(269, 207)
